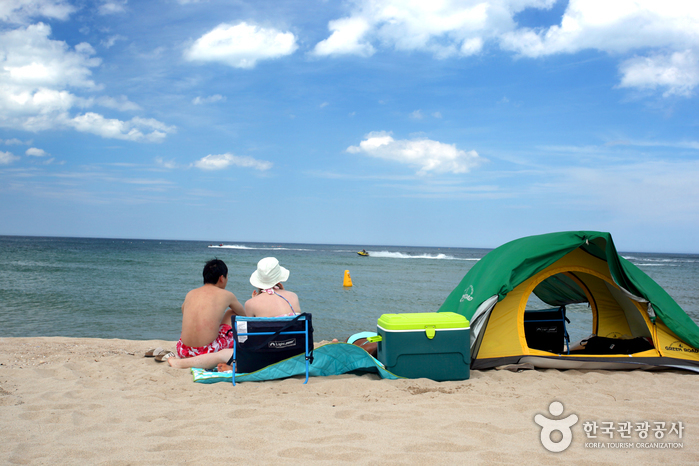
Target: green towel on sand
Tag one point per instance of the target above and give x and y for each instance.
(330, 359)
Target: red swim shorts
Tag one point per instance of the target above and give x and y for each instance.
(223, 341)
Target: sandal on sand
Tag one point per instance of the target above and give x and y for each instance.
(151, 353)
(164, 356)
(160, 352)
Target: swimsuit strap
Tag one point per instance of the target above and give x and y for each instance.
(287, 301)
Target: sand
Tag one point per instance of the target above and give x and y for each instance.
(93, 401)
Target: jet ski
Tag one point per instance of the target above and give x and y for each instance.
(363, 252)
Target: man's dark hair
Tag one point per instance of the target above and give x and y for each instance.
(214, 269)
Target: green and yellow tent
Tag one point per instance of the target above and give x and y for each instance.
(571, 268)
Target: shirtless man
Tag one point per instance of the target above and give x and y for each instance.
(269, 300)
(206, 314)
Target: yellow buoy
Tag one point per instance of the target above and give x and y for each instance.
(348, 279)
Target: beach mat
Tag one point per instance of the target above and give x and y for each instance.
(330, 359)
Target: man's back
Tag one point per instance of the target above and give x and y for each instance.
(203, 311)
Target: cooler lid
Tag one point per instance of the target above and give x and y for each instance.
(422, 320)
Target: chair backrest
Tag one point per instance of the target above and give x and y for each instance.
(545, 329)
(261, 341)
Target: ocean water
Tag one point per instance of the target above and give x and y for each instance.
(133, 289)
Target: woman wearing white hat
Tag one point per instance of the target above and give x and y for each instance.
(270, 299)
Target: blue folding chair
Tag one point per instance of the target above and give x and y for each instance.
(261, 341)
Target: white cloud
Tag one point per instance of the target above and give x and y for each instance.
(111, 40)
(135, 129)
(34, 152)
(678, 73)
(12, 142)
(221, 161)
(443, 28)
(35, 73)
(7, 158)
(169, 164)
(616, 27)
(30, 60)
(667, 31)
(472, 46)
(428, 155)
(122, 103)
(241, 45)
(670, 28)
(111, 7)
(346, 38)
(416, 115)
(19, 11)
(208, 100)
(39, 82)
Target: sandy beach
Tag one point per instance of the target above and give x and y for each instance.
(94, 401)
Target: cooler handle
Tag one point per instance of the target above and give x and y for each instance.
(375, 339)
(430, 331)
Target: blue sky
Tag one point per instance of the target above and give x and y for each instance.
(370, 122)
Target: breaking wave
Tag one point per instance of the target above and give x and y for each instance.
(659, 261)
(260, 248)
(402, 255)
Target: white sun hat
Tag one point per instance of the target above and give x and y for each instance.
(268, 274)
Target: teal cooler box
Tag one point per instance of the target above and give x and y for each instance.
(433, 345)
